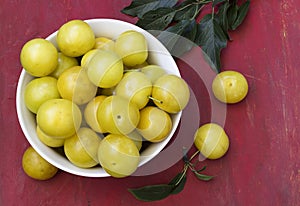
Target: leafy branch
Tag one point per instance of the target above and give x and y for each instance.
(211, 33)
(175, 186)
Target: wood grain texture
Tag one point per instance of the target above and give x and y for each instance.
(262, 166)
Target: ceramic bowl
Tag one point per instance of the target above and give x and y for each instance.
(111, 28)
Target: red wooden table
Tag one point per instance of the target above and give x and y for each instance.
(262, 166)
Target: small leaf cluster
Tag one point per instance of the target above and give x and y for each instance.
(211, 33)
(176, 185)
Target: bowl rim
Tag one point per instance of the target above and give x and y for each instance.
(47, 152)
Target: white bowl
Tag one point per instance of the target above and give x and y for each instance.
(111, 28)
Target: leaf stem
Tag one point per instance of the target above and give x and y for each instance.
(192, 168)
(196, 153)
(197, 12)
(154, 99)
(186, 166)
(194, 3)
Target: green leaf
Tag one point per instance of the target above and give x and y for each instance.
(157, 19)
(212, 39)
(178, 187)
(187, 41)
(203, 177)
(152, 192)
(176, 179)
(160, 191)
(191, 32)
(232, 14)
(215, 2)
(242, 12)
(170, 36)
(140, 7)
(222, 19)
(175, 37)
(186, 10)
(202, 169)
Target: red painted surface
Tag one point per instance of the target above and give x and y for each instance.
(262, 166)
